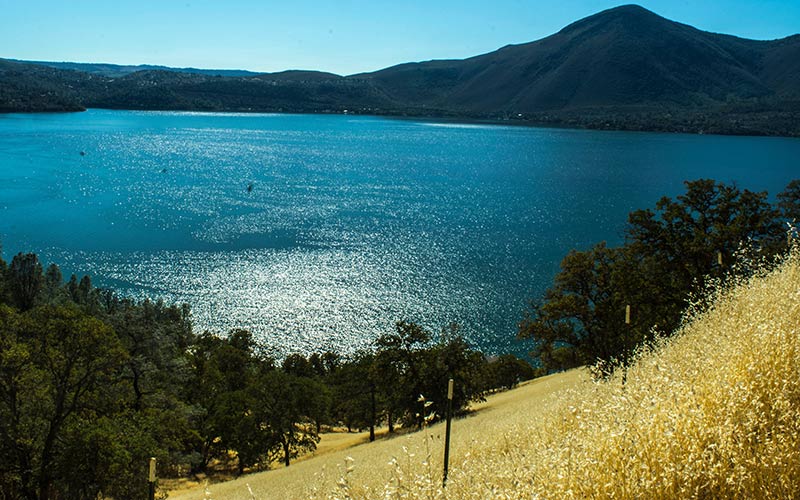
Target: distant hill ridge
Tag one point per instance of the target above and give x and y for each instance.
(118, 70)
(623, 68)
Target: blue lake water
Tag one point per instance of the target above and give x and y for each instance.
(351, 223)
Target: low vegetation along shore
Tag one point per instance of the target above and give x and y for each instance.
(713, 412)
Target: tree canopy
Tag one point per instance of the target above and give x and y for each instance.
(669, 254)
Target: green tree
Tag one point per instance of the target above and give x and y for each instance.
(298, 365)
(57, 368)
(356, 401)
(450, 358)
(579, 321)
(25, 279)
(223, 370)
(668, 255)
(506, 371)
(156, 338)
(398, 366)
(3, 278)
(686, 235)
(284, 404)
(789, 202)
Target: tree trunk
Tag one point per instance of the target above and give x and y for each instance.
(28, 489)
(46, 474)
(372, 416)
(137, 391)
(286, 452)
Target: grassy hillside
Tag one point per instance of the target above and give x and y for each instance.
(712, 413)
(372, 462)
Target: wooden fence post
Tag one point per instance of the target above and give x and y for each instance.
(447, 430)
(151, 480)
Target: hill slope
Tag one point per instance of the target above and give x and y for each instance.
(373, 459)
(27, 87)
(619, 57)
(712, 413)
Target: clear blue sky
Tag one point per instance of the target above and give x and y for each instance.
(341, 36)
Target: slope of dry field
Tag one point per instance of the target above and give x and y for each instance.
(712, 413)
(371, 461)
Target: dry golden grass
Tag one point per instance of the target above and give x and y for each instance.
(329, 442)
(371, 461)
(712, 413)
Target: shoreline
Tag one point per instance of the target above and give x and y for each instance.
(555, 123)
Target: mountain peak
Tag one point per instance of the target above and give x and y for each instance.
(630, 8)
(628, 11)
(629, 15)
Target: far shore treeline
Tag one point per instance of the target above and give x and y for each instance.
(93, 384)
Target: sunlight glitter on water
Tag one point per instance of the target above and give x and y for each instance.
(298, 300)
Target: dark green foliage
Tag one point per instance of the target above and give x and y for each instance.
(117, 70)
(287, 405)
(410, 371)
(789, 202)
(507, 371)
(405, 379)
(156, 337)
(53, 281)
(450, 358)
(250, 408)
(222, 370)
(4, 286)
(669, 254)
(296, 364)
(399, 367)
(26, 280)
(356, 402)
(686, 234)
(58, 371)
(90, 387)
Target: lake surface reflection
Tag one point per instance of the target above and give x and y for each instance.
(319, 232)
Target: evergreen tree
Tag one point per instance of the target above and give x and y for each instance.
(25, 280)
